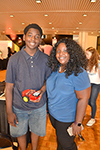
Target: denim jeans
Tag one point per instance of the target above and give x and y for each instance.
(95, 88)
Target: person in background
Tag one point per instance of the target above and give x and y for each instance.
(3, 61)
(93, 70)
(10, 52)
(68, 90)
(27, 71)
(46, 48)
(1, 55)
(41, 46)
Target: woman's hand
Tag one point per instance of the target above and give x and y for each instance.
(76, 129)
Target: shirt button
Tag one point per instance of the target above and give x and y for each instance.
(31, 57)
(31, 61)
(32, 66)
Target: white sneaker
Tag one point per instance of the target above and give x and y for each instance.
(90, 122)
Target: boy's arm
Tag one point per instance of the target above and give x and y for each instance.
(10, 115)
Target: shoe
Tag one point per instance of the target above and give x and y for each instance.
(90, 122)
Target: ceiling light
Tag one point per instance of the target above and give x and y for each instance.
(52, 27)
(46, 15)
(50, 22)
(11, 16)
(77, 27)
(84, 15)
(93, 1)
(23, 23)
(80, 22)
(38, 1)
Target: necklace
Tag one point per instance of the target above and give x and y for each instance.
(60, 71)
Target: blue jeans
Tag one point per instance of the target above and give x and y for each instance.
(34, 119)
(95, 88)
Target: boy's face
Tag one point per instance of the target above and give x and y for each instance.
(32, 39)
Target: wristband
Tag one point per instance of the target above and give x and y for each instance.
(78, 124)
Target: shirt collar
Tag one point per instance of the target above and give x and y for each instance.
(27, 56)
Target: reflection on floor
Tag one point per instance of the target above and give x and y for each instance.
(90, 134)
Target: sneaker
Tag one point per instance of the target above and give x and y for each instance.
(90, 122)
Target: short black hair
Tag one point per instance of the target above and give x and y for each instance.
(35, 26)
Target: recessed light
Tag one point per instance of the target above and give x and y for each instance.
(84, 15)
(50, 22)
(52, 27)
(80, 22)
(11, 16)
(98, 31)
(38, 1)
(46, 15)
(23, 23)
(73, 31)
(93, 1)
(77, 27)
(91, 32)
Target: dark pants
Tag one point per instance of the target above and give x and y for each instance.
(64, 141)
(95, 88)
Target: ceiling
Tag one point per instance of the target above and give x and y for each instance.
(65, 16)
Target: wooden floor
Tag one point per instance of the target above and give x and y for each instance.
(90, 134)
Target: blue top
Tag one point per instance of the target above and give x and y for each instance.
(62, 99)
(27, 72)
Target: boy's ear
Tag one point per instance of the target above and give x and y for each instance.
(24, 37)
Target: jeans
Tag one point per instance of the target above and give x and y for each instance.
(95, 88)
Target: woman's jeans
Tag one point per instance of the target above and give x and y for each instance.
(95, 88)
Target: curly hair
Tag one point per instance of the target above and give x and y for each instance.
(77, 59)
(93, 61)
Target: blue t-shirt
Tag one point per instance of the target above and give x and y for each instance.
(62, 99)
(27, 72)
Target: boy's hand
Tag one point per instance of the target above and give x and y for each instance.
(12, 119)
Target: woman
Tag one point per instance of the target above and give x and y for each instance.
(93, 70)
(68, 90)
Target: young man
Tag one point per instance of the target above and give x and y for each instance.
(27, 71)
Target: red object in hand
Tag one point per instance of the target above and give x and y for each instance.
(30, 95)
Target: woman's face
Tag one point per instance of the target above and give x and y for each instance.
(88, 54)
(62, 54)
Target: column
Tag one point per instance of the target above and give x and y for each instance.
(83, 39)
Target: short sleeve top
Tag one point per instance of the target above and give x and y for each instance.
(62, 100)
